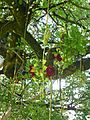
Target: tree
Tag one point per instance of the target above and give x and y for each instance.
(43, 40)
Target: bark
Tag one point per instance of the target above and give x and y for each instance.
(76, 66)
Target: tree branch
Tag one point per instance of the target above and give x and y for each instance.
(69, 21)
(55, 20)
(76, 66)
(34, 44)
(13, 27)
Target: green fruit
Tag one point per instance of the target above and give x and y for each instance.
(47, 35)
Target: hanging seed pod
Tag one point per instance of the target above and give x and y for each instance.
(47, 35)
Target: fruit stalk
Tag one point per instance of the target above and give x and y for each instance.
(50, 111)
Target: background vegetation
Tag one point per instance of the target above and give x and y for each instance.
(44, 41)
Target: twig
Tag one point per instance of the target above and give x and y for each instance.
(79, 6)
(68, 20)
(61, 3)
(6, 114)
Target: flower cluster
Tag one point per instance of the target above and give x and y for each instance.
(50, 70)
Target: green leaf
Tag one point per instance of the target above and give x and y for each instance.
(20, 2)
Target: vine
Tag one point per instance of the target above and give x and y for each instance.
(47, 35)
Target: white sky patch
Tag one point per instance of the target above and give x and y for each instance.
(71, 115)
(56, 85)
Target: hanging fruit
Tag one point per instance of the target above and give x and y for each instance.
(50, 71)
(47, 35)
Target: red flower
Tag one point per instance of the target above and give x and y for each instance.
(32, 71)
(32, 74)
(58, 57)
(50, 71)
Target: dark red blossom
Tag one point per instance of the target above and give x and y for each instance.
(50, 71)
(32, 74)
(32, 71)
(58, 57)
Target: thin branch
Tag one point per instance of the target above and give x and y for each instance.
(40, 17)
(69, 21)
(56, 5)
(52, 5)
(68, 11)
(4, 8)
(83, 18)
(79, 6)
(55, 21)
(6, 114)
